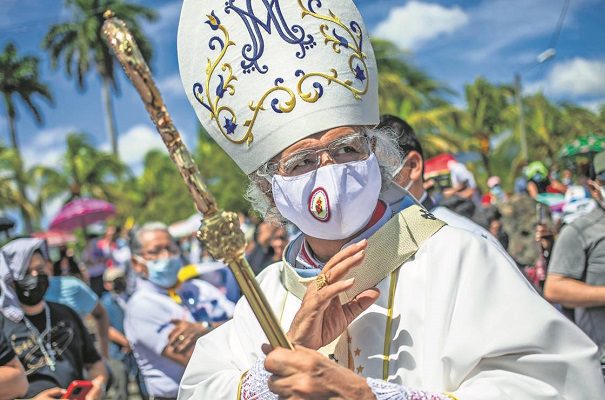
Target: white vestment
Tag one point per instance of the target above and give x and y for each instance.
(464, 321)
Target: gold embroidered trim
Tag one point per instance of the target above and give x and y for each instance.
(389, 325)
(451, 396)
(239, 386)
(288, 101)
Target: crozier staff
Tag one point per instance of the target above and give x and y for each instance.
(378, 305)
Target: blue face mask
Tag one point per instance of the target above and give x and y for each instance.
(496, 190)
(163, 272)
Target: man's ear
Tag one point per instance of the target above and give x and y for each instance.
(415, 163)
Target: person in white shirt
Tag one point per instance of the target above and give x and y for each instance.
(164, 317)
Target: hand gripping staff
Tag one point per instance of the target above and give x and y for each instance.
(220, 231)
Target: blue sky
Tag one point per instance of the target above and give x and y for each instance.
(454, 41)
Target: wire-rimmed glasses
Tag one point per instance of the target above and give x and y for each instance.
(343, 150)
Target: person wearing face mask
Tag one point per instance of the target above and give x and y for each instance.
(378, 305)
(576, 274)
(164, 317)
(537, 178)
(408, 182)
(49, 338)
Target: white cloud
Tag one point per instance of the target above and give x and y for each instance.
(578, 76)
(171, 86)
(46, 147)
(505, 23)
(135, 143)
(415, 23)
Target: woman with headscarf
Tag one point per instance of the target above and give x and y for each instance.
(49, 339)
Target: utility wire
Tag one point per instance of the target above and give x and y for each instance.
(553, 40)
(555, 37)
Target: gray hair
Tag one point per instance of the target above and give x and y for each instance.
(135, 242)
(386, 149)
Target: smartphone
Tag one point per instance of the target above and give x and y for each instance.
(77, 390)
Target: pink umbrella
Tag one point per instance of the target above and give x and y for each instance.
(81, 212)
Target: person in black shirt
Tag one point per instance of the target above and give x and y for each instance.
(49, 339)
(13, 382)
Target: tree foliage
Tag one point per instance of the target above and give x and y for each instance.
(225, 179)
(19, 79)
(79, 45)
(486, 125)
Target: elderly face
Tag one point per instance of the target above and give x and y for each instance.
(338, 145)
(154, 245)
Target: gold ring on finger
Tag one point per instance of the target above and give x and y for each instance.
(321, 281)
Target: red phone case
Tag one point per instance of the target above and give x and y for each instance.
(77, 390)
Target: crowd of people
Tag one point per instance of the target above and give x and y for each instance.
(389, 283)
(131, 306)
(137, 326)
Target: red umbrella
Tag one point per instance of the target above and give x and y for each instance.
(437, 165)
(55, 238)
(80, 213)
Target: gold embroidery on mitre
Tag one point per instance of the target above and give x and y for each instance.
(357, 65)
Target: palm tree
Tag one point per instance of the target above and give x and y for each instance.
(10, 196)
(483, 117)
(402, 85)
(88, 172)
(163, 194)
(409, 93)
(80, 45)
(19, 78)
(45, 182)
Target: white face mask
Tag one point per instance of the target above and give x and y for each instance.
(332, 202)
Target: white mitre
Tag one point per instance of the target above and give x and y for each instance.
(264, 74)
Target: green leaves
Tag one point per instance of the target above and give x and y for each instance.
(79, 40)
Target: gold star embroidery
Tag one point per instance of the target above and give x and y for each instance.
(357, 352)
(360, 369)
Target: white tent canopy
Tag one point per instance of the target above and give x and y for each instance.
(186, 227)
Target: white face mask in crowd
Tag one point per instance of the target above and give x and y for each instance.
(333, 202)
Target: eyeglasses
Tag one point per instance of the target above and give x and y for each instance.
(156, 252)
(343, 150)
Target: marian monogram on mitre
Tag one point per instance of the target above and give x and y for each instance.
(252, 67)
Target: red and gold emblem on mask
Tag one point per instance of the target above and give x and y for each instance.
(319, 205)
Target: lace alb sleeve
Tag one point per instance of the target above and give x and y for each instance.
(254, 384)
(391, 391)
